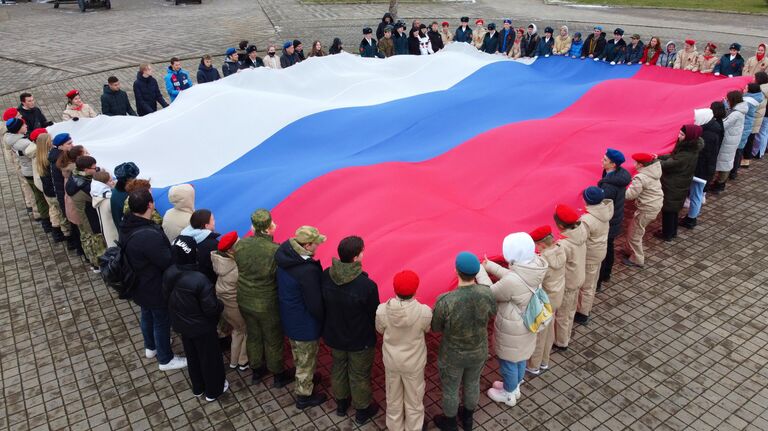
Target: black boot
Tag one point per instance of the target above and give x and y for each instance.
(282, 379)
(71, 242)
(362, 416)
(258, 374)
(581, 319)
(57, 234)
(687, 222)
(444, 423)
(304, 401)
(342, 406)
(46, 224)
(466, 417)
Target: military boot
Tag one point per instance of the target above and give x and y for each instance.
(467, 419)
(444, 423)
(342, 406)
(281, 380)
(46, 224)
(363, 415)
(304, 401)
(57, 234)
(71, 242)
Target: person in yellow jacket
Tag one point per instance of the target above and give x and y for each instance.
(597, 222)
(562, 42)
(707, 61)
(687, 59)
(403, 321)
(554, 285)
(478, 34)
(646, 190)
(575, 244)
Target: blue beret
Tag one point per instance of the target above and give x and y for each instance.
(127, 170)
(287, 44)
(14, 125)
(593, 195)
(231, 51)
(467, 263)
(597, 27)
(507, 21)
(615, 156)
(61, 139)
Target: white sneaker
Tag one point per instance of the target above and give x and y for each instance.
(232, 366)
(502, 396)
(517, 393)
(150, 353)
(226, 387)
(534, 371)
(544, 367)
(174, 364)
(498, 385)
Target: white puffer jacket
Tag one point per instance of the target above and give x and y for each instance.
(734, 126)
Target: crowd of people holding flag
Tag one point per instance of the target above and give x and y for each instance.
(186, 276)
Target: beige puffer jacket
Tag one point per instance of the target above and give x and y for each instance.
(85, 112)
(182, 197)
(226, 284)
(686, 60)
(597, 221)
(760, 113)
(646, 189)
(575, 244)
(554, 280)
(403, 324)
(513, 341)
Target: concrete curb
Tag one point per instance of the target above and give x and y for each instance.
(608, 6)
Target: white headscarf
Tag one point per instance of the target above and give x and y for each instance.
(519, 248)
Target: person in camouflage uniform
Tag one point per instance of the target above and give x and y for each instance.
(462, 316)
(301, 307)
(257, 299)
(79, 190)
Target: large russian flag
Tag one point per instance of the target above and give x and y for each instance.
(421, 156)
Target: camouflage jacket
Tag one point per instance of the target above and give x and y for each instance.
(257, 282)
(462, 315)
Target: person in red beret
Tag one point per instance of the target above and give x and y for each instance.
(707, 61)
(688, 59)
(29, 200)
(478, 34)
(403, 321)
(574, 243)
(554, 284)
(225, 267)
(645, 190)
(445, 33)
(76, 109)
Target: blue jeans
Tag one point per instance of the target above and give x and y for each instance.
(761, 140)
(696, 196)
(512, 373)
(156, 328)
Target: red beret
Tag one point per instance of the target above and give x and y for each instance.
(690, 41)
(227, 241)
(566, 214)
(72, 93)
(406, 282)
(479, 21)
(541, 232)
(643, 157)
(712, 45)
(445, 24)
(35, 133)
(10, 113)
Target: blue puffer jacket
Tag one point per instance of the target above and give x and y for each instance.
(576, 48)
(299, 294)
(753, 100)
(176, 82)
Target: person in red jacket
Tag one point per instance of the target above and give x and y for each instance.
(652, 52)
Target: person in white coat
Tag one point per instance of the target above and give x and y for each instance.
(733, 124)
(182, 197)
(513, 340)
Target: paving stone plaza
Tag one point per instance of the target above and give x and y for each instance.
(678, 345)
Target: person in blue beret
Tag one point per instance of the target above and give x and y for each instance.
(614, 183)
(289, 57)
(230, 65)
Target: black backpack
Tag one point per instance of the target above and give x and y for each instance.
(115, 269)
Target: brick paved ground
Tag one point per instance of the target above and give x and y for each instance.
(679, 345)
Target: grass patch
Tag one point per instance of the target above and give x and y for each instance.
(364, 1)
(749, 6)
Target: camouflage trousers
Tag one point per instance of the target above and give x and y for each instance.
(351, 376)
(57, 217)
(264, 339)
(41, 205)
(455, 372)
(93, 246)
(305, 360)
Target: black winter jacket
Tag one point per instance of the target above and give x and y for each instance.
(713, 137)
(529, 44)
(599, 46)
(615, 186)
(299, 294)
(490, 43)
(115, 103)
(34, 118)
(149, 254)
(413, 46)
(147, 94)
(401, 44)
(204, 249)
(230, 67)
(192, 303)
(57, 178)
(206, 74)
(350, 312)
(250, 64)
(436, 40)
